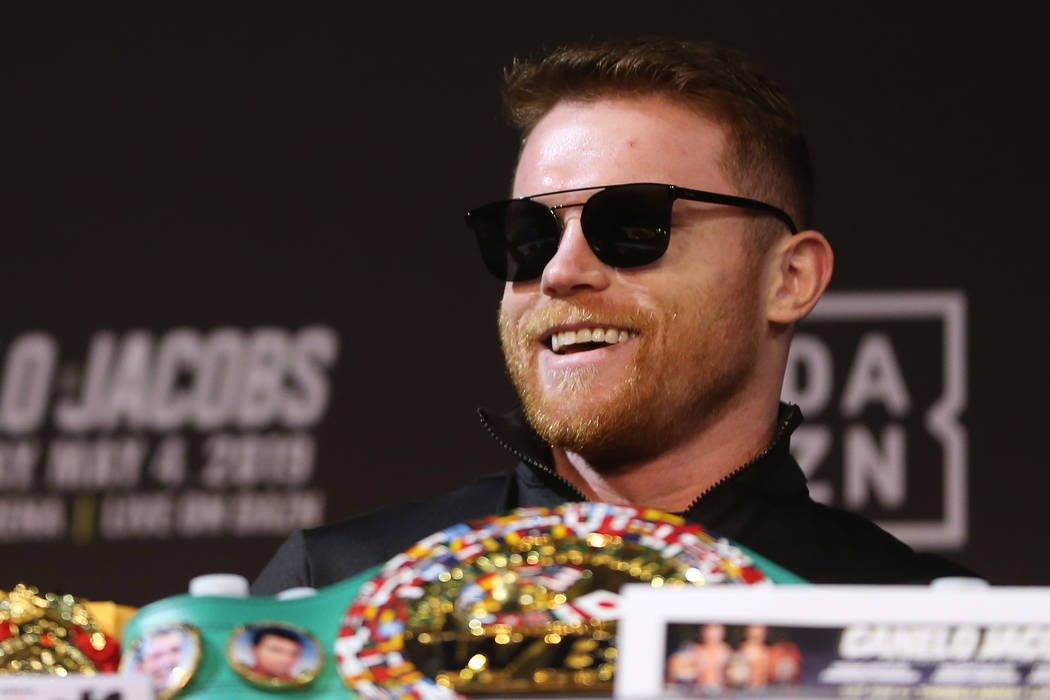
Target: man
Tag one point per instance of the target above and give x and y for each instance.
(702, 664)
(646, 321)
(162, 654)
(275, 652)
(755, 656)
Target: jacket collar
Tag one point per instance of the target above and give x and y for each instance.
(771, 475)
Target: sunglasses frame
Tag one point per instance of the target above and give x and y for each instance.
(674, 192)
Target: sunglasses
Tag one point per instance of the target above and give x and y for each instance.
(625, 226)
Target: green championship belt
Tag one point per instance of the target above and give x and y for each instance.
(514, 603)
(211, 623)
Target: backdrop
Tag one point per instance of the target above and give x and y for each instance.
(239, 299)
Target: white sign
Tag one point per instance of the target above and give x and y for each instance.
(880, 641)
(107, 686)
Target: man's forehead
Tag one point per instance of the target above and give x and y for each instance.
(164, 643)
(276, 638)
(615, 140)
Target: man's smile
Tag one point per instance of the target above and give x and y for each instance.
(597, 346)
(581, 337)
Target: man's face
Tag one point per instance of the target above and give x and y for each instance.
(276, 656)
(713, 634)
(694, 317)
(162, 657)
(756, 633)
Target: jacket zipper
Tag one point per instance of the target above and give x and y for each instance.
(777, 435)
(529, 460)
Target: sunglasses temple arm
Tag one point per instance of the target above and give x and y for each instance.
(734, 201)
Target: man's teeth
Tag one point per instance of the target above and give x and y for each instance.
(609, 336)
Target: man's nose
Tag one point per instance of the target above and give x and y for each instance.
(574, 268)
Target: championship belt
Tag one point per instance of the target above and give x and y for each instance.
(514, 603)
(52, 633)
(522, 603)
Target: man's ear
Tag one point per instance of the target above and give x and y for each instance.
(801, 269)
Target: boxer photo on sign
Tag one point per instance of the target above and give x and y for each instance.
(709, 657)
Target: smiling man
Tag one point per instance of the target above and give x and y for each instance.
(656, 257)
(688, 392)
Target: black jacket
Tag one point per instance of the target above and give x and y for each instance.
(764, 505)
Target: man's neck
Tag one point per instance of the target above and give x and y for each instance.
(672, 480)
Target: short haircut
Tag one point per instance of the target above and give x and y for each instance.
(766, 153)
(261, 632)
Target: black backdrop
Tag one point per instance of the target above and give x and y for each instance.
(239, 234)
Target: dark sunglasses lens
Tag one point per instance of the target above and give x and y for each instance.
(517, 238)
(628, 226)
